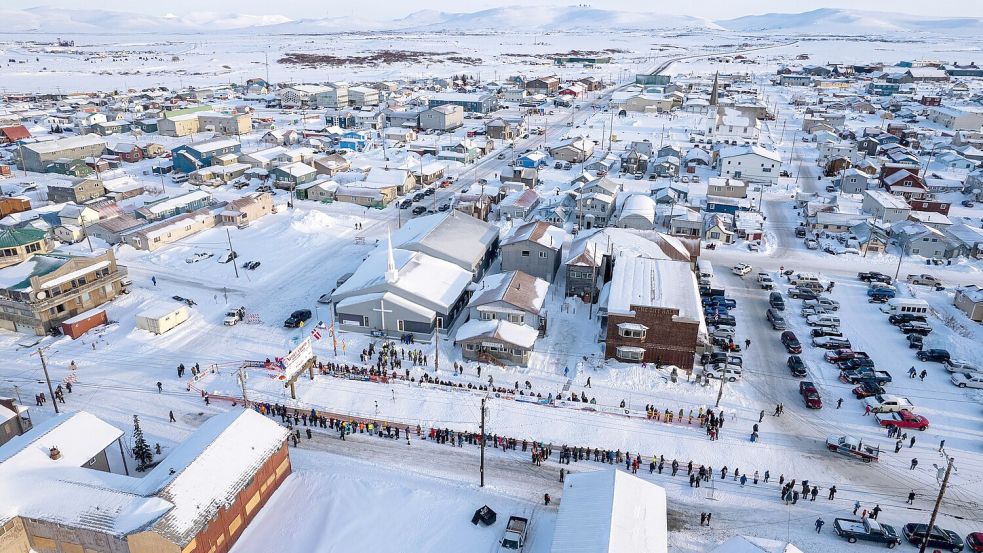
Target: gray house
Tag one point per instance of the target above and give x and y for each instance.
(455, 237)
(506, 318)
(534, 248)
(398, 292)
(585, 268)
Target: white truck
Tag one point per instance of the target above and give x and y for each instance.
(234, 316)
(927, 280)
(882, 403)
(515, 534)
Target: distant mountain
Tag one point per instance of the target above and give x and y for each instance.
(57, 20)
(548, 18)
(852, 22)
(507, 18)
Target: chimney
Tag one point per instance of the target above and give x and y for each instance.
(54, 454)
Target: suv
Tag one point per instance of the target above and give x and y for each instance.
(939, 538)
(790, 342)
(297, 318)
(902, 318)
(802, 293)
(776, 319)
(874, 276)
(937, 355)
(776, 301)
(796, 365)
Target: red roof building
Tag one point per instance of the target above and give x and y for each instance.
(13, 134)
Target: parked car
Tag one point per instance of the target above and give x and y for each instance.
(724, 357)
(927, 280)
(967, 203)
(866, 529)
(824, 302)
(419, 210)
(826, 331)
(812, 244)
(874, 276)
(883, 403)
(967, 380)
(915, 341)
(922, 329)
(823, 320)
(975, 542)
(810, 395)
(741, 269)
(901, 318)
(881, 293)
(776, 319)
(297, 318)
(766, 282)
(515, 534)
(722, 370)
(858, 376)
(802, 293)
(796, 365)
(867, 389)
(831, 342)
(227, 257)
(790, 342)
(855, 363)
(406, 204)
(776, 301)
(962, 366)
(937, 355)
(938, 538)
(843, 354)
(902, 419)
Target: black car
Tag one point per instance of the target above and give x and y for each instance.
(418, 196)
(867, 389)
(874, 276)
(855, 363)
(428, 191)
(796, 365)
(419, 209)
(802, 294)
(826, 331)
(722, 320)
(939, 538)
(880, 298)
(937, 355)
(406, 204)
(790, 342)
(297, 318)
(921, 329)
(916, 341)
(902, 318)
(191, 303)
(444, 207)
(725, 358)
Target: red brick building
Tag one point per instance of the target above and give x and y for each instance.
(653, 312)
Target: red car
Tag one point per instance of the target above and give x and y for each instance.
(902, 419)
(810, 395)
(975, 542)
(838, 355)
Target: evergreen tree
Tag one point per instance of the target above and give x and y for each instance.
(141, 451)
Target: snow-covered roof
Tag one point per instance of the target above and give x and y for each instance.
(454, 237)
(650, 282)
(516, 288)
(641, 205)
(519, 335)
(609, 511)
(71, 142)
(733, 151)
(539, 232)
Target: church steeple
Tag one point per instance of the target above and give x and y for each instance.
(715, 89)
(392, 274)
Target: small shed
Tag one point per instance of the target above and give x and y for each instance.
(84, 322)
(160, 318)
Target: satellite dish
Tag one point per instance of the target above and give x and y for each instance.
(41, 295)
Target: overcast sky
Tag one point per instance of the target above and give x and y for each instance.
(371, 9)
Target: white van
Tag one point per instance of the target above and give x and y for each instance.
(895, 306)
(705, 269)
(803, 279)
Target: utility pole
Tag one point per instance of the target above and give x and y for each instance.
(44, 367)
(482, 468)
(232, 252)
(720, 392)
(938, 503)
(242, 384)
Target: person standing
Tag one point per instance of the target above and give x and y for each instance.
(708, 518)
(911, 498)
(703, 518)
(832, 492)
(546, 499)
(875, 511)
(819, 524)
(856, 507)
(914, 463)
(171, 415)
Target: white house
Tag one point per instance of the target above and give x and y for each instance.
(886, 207)
(751, 163)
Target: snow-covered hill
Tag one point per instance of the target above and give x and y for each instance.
(547, 18)
(55, 20)
(852, 22)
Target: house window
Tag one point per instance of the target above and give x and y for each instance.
(399, 325)
(542, 254)
(525, 253)
(486, 316)
(469, 347)
(629, 353)
(515, 318)
(632, 330)
(714, 235)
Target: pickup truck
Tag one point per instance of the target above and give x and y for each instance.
(867, 530)
(887, 404)
(848, 445)
(928, 280)
(234, 316)
(515, 534)
(860, 376)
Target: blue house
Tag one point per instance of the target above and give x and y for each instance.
(189, 157)
(354, 140)
(878, 88)
(723, 204)
(531, 160)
